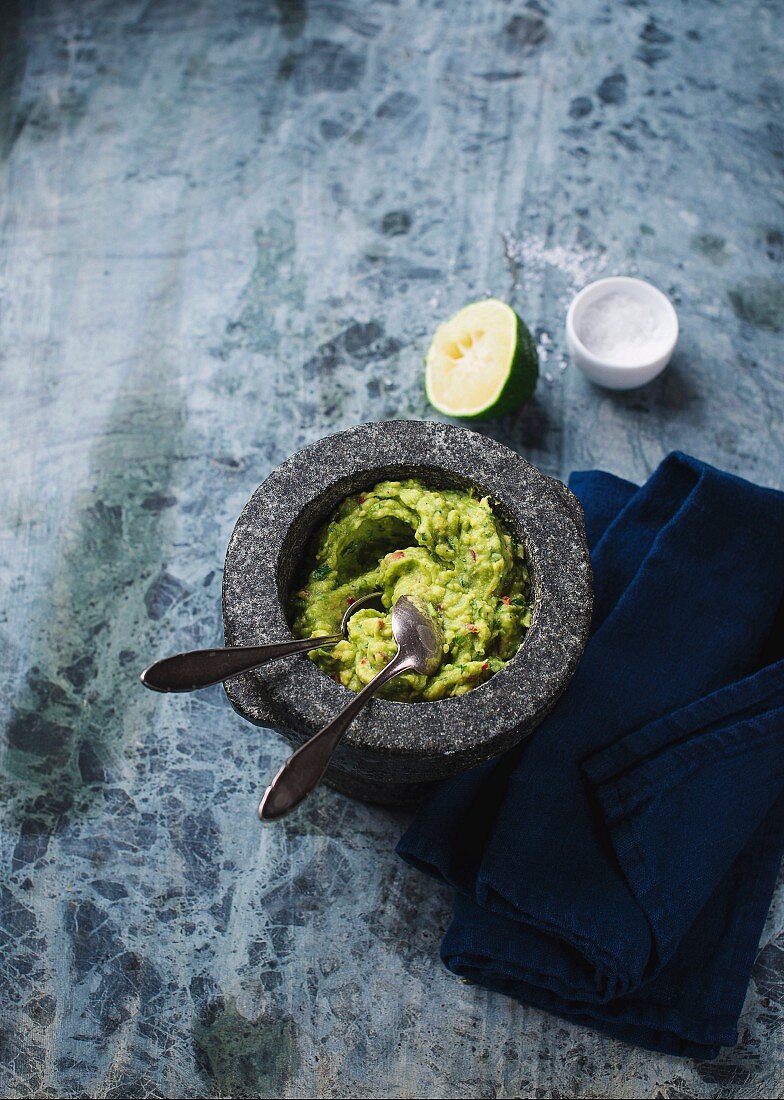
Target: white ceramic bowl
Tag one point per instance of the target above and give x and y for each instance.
(645, 355)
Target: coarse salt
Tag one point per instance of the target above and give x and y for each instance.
(619, 328)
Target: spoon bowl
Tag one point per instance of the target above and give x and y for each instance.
(417, 635)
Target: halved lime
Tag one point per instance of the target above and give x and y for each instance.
(482, 362)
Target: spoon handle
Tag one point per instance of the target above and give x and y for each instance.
(204, 667)
(303, 770)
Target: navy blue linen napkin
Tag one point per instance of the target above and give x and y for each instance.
(616, 868)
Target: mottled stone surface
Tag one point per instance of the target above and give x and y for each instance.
(393, 750)
(227, 228)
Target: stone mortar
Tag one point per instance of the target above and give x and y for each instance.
(393, 751)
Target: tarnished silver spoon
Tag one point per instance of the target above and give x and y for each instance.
(420, 648)
(203, 667)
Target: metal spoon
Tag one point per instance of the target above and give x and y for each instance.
(420, 648)
(203, 667)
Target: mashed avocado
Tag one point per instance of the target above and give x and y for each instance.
(443, 545)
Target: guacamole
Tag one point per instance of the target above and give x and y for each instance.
(444, 545)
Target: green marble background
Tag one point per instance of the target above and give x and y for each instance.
(227, 228)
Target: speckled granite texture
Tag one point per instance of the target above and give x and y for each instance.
(227, 228)
(391, 752)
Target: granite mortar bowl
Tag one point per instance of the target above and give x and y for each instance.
(393, 751)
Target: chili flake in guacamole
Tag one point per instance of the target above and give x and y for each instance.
(443, 545)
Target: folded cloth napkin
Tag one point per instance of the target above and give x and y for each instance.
(617, 866)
